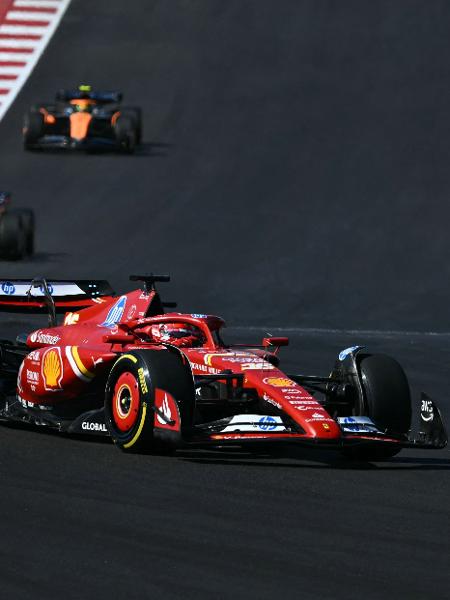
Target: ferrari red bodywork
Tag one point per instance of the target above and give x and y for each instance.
(241, 394)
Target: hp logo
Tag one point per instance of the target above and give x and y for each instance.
(8, 288)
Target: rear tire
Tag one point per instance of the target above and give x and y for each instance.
(12, 237)
(27, 219)
(387, 401)
(33, 129)
(133, 383)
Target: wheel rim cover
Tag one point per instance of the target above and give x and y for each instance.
(125, 402)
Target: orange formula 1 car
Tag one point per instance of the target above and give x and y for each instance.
(83, 119)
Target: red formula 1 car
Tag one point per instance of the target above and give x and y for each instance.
(121, 367)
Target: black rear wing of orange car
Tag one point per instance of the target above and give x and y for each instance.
(103, 97)
(51, 296)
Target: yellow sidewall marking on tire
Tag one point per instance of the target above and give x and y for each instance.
(130, 356)
(141, 425)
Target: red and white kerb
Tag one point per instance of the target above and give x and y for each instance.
(26, 27)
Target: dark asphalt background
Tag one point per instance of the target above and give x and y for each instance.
(294, 175)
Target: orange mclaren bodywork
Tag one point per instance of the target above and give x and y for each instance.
(80, 121)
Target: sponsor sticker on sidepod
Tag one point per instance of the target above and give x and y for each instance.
(280, 382)
(44, 338)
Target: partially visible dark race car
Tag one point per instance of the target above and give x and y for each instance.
(120, 366)
(16, 230)
(83, 119)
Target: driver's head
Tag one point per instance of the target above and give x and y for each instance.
(82, 105)
(178, 334)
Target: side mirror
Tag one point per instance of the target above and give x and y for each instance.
(275, 342)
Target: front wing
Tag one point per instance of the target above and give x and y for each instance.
(63, 142)
(431, 434)
(243, 429)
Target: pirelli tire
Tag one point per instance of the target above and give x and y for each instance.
(33, 128)
(127, 134)
(386, 400)
(135, 114)
(136, 380)
(138, 124)
(12, 237)
(27, 219)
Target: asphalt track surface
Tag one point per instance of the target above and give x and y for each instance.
(294, 175)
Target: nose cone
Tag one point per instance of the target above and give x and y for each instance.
(79, 125)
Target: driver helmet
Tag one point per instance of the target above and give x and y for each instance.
(177, 334)
(82, 105)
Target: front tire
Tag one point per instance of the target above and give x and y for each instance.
(126, 134)
(386, 400)
(12, 237)
(33, 129)
(134, 113)
(135, 384)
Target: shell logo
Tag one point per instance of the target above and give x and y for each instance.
(52, 370)
(278, 382)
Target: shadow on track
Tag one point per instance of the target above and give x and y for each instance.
(263, 458)
(144, 149)
(322, 460)
(153, 149)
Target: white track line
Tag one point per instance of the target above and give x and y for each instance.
(23, 15)
(9, 70)
(22, 30)
(14, 57)
(37, 3)
(12, 43)
(27, 61)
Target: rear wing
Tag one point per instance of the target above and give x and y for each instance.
(35, 295)
(102, 97)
